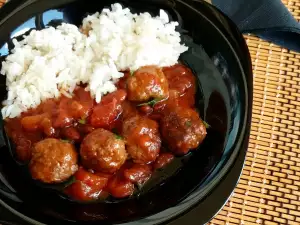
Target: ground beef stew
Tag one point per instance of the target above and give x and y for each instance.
(112, 147)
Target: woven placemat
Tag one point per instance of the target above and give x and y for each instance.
(268, 191)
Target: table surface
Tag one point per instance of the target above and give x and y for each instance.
(269, 189)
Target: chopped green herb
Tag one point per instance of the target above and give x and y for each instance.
(118, 137)
(71, 181)
(151, 103)
(65, 140)
(116, 133)
(188, 123)
(114, 130)
(82, 121)
(131, 73)
(206, 124)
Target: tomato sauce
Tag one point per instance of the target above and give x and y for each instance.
(71, 119)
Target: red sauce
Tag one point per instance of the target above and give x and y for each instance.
(73, 118)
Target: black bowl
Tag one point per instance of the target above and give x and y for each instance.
(220, 60)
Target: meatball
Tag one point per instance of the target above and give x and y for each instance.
(103, 151)
(53, 161)
(146, 83)
(142, 139)
(182, 129)
(180, 78)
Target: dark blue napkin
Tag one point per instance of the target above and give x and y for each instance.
(268, 19)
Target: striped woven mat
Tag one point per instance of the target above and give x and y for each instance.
(268, 192)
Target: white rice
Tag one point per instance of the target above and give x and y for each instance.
(51, 62)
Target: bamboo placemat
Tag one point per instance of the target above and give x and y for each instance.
(268, 191)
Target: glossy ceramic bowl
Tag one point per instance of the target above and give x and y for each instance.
(219, 59)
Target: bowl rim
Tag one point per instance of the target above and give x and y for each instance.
(14, 6)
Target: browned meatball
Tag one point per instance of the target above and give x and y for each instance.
(142, 139)
(53, 161)
(146, 83)
(103, 151)
(182, 129)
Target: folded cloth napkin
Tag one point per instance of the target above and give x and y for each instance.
(268, 19)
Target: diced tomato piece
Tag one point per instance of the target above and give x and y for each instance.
(64, 117)
(88, 186)
(162, 160)
(32, 123)
(119, 187)
(108, 110)
(71, 133)
(77, 110)
(40, 122)
(119, 96)
(48, 129)
(104, 115)
(138, 174)
(63, 120)
(83, 103)
(79, 191)
(50, 106)
(91, 179)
